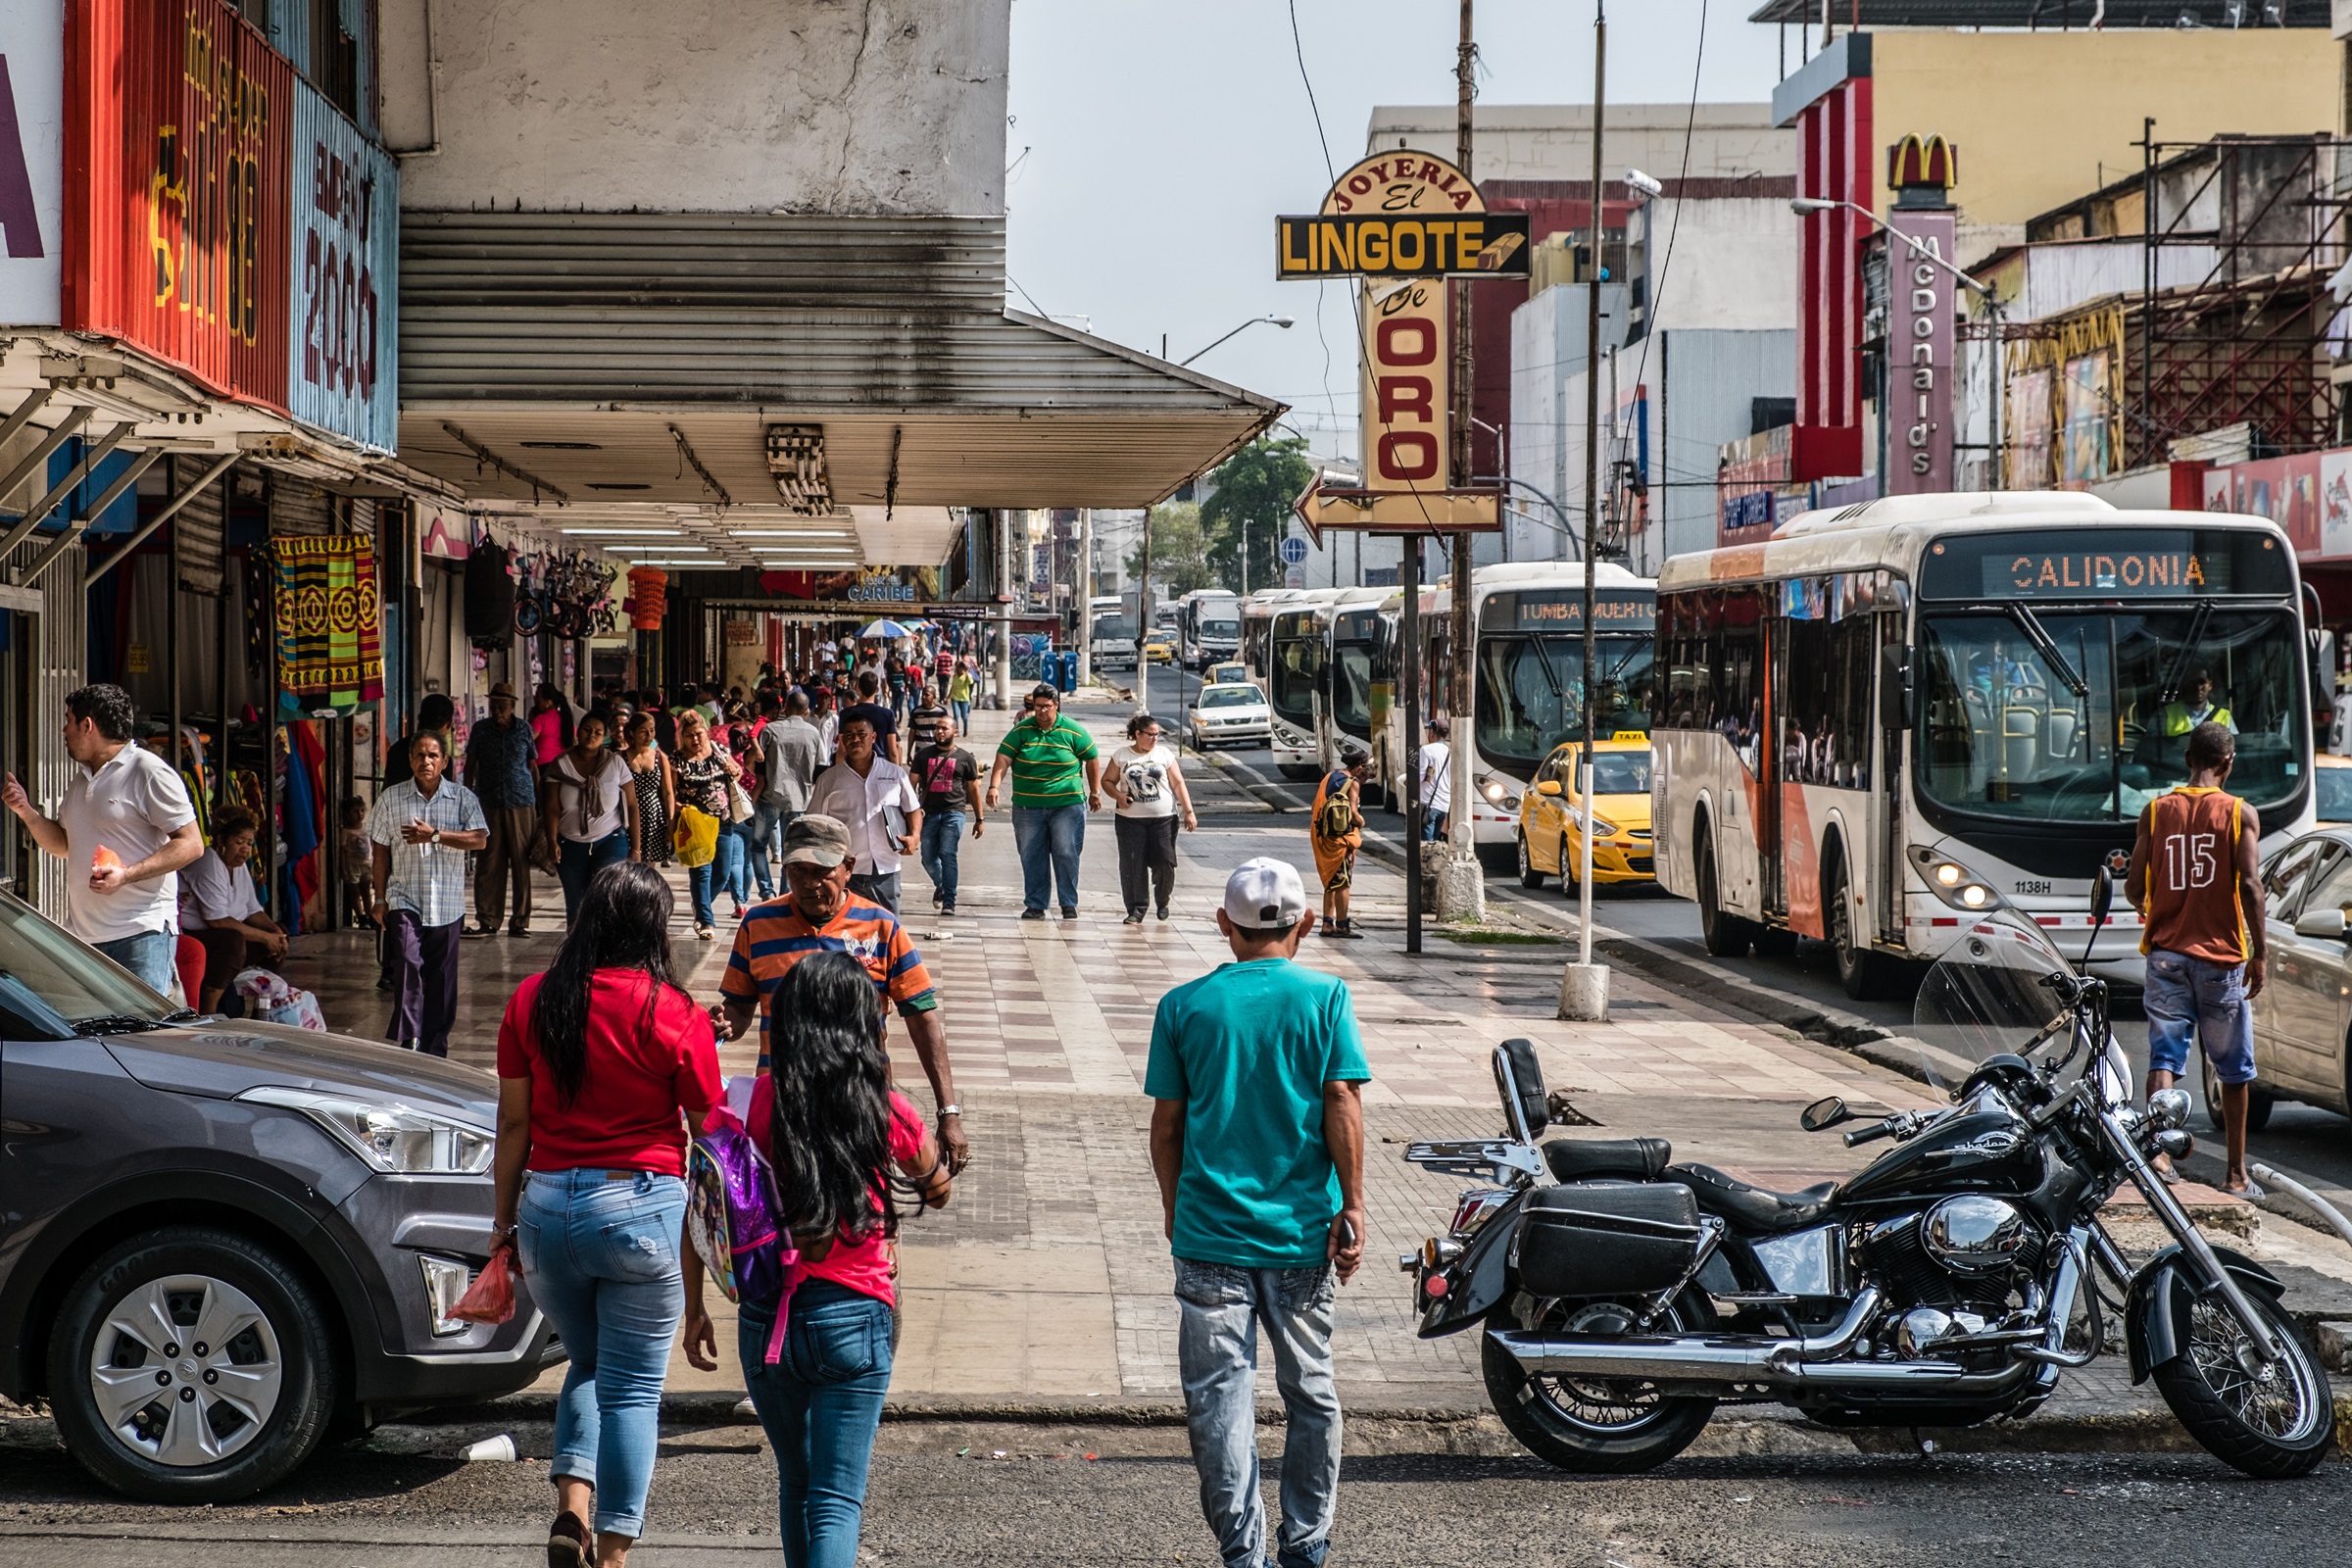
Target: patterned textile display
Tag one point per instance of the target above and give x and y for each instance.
(330, 622)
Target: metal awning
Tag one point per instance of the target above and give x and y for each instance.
(644, 359)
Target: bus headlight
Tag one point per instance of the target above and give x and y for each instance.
(1492, 788)
(1954, 883)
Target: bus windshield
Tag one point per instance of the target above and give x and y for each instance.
(1351, 687)
(2017, 709)
(1221, 630)
(1297, 662)
(1530, 693)
(1114, 629)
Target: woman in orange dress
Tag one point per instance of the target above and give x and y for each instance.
(1337, 829)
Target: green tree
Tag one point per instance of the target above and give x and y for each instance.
(1184, 546)
(1254, 491)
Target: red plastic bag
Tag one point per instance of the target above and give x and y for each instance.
(490, 1298)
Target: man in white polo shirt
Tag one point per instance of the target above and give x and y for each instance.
(128, 801)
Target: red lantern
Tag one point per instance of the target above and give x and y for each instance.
(648, 598)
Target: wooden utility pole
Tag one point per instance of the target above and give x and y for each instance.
(1462, 841)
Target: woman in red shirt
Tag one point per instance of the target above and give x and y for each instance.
(604, 1062)
(842, 1144)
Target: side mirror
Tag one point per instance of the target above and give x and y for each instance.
(1824, 1114)
(1549, 786)
(2325, 924)
(2102, 895)
(1894, 687)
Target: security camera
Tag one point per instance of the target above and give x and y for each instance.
(1644, 183)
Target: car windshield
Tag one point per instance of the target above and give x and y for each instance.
(57, 984)
(1613, 772)
(1530, 693)
(2334, 786)
(1230, 696)
(2068, 717)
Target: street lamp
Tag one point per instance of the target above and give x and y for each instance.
(1807, 206)
(1282, 321)
(1563, 526)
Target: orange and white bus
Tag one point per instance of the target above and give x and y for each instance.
(1887, 719)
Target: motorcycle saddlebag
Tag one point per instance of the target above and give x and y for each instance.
(1608, 1238)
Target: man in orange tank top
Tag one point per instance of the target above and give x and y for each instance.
(2196, 880)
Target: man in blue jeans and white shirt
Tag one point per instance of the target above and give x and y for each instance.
(1258, 1138)
(128, 801)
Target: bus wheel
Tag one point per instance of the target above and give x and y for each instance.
(1861, 971)
(1726, 935)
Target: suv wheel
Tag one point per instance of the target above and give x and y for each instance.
(190, 1365)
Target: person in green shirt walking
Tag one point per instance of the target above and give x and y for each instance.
(1057, 779)
(1256, 1078)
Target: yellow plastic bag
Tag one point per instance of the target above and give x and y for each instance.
(695, 836)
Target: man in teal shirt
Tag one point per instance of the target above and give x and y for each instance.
(1258, 1139)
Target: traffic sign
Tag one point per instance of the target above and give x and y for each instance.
(1293, 551)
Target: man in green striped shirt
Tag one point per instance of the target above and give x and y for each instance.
(1057, 779)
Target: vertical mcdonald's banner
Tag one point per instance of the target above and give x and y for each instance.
(177, 133)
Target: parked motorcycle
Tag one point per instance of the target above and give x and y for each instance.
(1939, 1287)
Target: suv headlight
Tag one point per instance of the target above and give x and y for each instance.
(1955, 884)
(391, 1137)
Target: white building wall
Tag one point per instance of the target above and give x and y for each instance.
(824, 106)
(1733, 264)
(1554, 141)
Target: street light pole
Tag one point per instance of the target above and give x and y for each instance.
(1807, 206)
(1283, 321)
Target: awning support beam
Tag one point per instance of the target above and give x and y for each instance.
(65, 487)
(503, 466)
(75, 527)
(33, 404)
(49, 442)
(218, 468)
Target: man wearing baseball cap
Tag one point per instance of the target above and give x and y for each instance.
(1258, 1138)
(819, 914)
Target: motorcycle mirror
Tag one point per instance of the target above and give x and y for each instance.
(1824, 1114)
(2102, 897)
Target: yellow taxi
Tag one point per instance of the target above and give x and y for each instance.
(1551, 815)
(1232, 674)
(1160, 647)
(2332, 779)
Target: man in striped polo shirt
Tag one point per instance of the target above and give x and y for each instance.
(820, 915)
(1057, 779)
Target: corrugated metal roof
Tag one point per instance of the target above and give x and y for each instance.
(2049, 16)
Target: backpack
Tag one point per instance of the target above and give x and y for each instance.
(1337, 818)
(731, 1207)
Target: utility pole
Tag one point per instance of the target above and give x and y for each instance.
(1085, 594)
(1142, 622)
(1585, 985)
(1461, 889)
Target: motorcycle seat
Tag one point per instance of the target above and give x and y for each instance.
(1752, 1210)
(1579, 1159)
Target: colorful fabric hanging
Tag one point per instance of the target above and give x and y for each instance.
(330, 622)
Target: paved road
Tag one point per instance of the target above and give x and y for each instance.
(1013, 1495)
(2315, 1147)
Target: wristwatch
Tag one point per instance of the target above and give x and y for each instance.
(945, 1111)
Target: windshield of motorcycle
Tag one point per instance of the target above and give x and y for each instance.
(1988, 995)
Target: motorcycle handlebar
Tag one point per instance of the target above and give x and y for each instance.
(1871, 1135)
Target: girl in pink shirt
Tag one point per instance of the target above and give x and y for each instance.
(844, 1149)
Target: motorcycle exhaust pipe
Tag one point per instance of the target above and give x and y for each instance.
(1696, 1359)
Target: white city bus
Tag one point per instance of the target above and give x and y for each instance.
(1359, 707)
(1298, 645)
(1888, 719)
(1208, 626)
(1527, 688)
(1111, 636)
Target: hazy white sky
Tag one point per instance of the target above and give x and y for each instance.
(1156, 140)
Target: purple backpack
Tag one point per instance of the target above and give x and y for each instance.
(731, 1211)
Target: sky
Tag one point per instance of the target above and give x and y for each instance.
(1151, 143)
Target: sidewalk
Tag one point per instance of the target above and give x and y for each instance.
(1044, 1287)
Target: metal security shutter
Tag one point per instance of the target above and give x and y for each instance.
(364, 520)
(199, 527)
(56, 641)
(298, 507)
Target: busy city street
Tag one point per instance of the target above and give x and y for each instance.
(1375, 782)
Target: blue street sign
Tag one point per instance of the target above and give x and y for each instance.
(1293, 551)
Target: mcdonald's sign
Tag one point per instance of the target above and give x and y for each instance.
(1913, 162)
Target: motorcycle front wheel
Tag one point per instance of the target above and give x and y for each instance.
(1596, 1425)
(2273, 1422)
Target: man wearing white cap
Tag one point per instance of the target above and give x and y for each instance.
(1258, 1139)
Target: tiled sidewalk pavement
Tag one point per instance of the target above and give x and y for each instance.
(1048, 1279)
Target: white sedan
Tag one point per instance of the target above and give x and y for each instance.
(1227, 713)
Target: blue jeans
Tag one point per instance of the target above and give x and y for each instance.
(820, 1405)
(578, 864)
(149, 955)
(599, 1251)
(722, 872)
(964, 716)
(752, 834)
(764, 840)
(2194, 999)
(1217, 1354)
(943, 837)
(1048, 839)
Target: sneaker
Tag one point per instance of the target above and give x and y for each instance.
(1069, 912)
(703, 933)
(518, 930)
(948, 911)
(1163, 912)
(1133, 918)
(937, 901)
(479, 931)
(1033, 914)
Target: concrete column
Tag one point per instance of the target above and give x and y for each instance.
(1085, 594)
